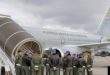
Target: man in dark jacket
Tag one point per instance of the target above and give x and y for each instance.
(67, 63)
(54, 62)
(80, 64)
(26, 63)
(67, 59)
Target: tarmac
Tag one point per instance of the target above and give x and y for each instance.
(100, 65)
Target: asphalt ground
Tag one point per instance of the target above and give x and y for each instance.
(100, 65)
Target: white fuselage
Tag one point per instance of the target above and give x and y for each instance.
(49, 38)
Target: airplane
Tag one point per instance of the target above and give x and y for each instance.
(70, 40)
(14, 38)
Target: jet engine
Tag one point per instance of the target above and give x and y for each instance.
(14, 38)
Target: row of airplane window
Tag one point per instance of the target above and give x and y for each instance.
(72, 39)
(64, 34)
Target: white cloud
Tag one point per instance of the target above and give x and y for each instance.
(72, 15)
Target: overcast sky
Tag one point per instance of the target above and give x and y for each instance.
(76, 15)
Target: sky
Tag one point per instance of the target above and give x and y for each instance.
(68, 15)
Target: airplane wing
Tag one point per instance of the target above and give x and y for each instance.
(90, 45)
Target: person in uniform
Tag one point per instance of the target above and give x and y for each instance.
(45, 59)
(69, 58)
(37, 63)
(89, 63)
(80, 64)
(54, 62)
(64, 63)
(26, 63)
(18, 63)
(67, 63)
(74, 59)
(74, 64)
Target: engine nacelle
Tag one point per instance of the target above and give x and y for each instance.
(14, 38)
